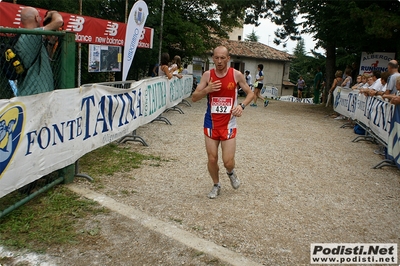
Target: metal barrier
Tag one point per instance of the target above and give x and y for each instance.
(48, 58)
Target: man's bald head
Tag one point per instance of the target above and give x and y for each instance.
(393, 66)
(30, 18)
(221, 50)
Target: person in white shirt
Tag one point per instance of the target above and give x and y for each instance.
(348, 79)
(382, 89)
(248, 78)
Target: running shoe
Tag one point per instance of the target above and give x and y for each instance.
(214, 192)
(235, 182)
(266, 102)
(253, 104)
(380, 151)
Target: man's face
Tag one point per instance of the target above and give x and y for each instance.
(220, 58)
(370, 81)
(38, 18)
(390, 70)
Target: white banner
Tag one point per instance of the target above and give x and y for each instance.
(375, 61)
(289, 98)
(373, 112)
(46, 132)
(269, 92)
(134, 28)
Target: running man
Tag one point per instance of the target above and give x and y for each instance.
(220, 85)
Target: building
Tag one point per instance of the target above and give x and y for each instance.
(247, 55)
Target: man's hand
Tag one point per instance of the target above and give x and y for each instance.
(237, 111)
(213, 86)
(372, 93)
(395, 100)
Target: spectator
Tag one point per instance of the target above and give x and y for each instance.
(300, 87)
(164, 69)
(260, 83)
(176, 64)
(366, 90)
(347, 79)
(358, 84)
(381, 92)
(364, 80)
(30, 48)
(185, 71)
(154, 73)
(393, 69)
(337, 81)
(317, 85)
(354, 72)
(396, 99)
(249, 80)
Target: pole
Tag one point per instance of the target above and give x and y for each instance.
(161, 30)
(80, 51)
(126, 11)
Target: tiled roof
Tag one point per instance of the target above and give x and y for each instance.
(255, 50)
(287, 83)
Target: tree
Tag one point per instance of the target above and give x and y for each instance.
(190, 27)
(344, 26)
(304, 65)
(252, 37)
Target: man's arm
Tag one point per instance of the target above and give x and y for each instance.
(205, 86)
(56, 21)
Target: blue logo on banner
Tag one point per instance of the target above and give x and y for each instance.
(11, 127)
(337, 99)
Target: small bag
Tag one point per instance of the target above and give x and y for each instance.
(359, 130)
(11, 63)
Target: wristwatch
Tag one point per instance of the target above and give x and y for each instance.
(242, 105)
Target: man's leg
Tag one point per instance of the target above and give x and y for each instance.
(316, 96)
(228, 157)
(212, 155)
(228, 154)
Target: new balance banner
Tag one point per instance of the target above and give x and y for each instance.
(45, 132)
(87, 29)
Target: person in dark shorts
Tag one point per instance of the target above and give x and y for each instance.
(258, 86)
(300, 87)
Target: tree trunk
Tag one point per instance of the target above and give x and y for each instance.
(330, 67)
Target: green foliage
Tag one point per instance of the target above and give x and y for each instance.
(252, 37)
(112, 158)
(49, 219)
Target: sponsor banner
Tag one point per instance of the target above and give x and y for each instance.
(295, 99)
(372, 112)
(136, 20)
(87, 29)
(269, 92)
(394, 137)
(42, 133)
(375, 61)
(345, 101)
(353, 253)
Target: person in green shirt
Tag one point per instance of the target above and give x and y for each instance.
(317, 85)
(30, 48)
